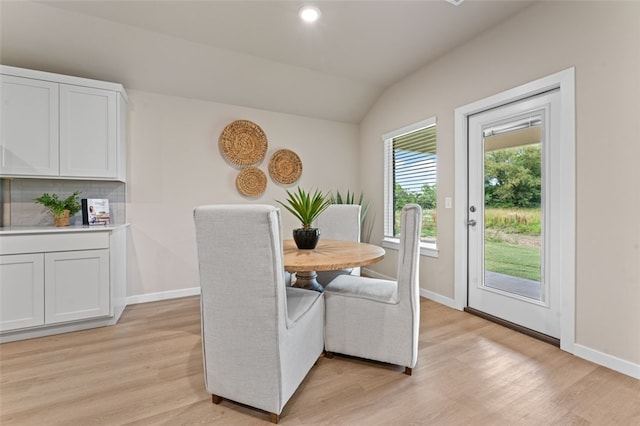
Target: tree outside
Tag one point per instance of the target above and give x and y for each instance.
(426, 199)
(512, 187)
(513, 216)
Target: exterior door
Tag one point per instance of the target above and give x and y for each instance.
(512, 211)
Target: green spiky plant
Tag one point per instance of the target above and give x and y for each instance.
(306, 206)
(56, 206)
(350, 198)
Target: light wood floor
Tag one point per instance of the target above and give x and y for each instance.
(147, 370)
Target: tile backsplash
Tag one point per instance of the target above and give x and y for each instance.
(18, 195)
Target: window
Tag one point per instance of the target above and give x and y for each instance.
(411, 177)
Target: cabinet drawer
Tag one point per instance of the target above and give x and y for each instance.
(16, 244)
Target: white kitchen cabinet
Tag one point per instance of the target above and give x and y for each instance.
(21, 291)
(55, 281)
(29, 123)
(88, 132)
(58, 126)
(76, 285)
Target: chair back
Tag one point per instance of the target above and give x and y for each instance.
(243, 299)
(409, 251)
(408, 266)
(340, 222)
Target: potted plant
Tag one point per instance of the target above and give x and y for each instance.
(60, 209)
(306, 207)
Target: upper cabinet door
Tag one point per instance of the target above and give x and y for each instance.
(88, 132)
(28, 127)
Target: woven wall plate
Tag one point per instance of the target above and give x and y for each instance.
(251, 182)
(243, 143)
(285, 166)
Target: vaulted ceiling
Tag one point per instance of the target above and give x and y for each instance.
(250, 53)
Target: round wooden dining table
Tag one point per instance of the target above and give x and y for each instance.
(328, 255)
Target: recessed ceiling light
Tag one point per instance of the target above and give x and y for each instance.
(454, 2)
(309, 13)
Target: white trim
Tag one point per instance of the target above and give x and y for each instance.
(426, 249)
(373, 274)
(438, 298)
(65, 79)
(162, 295)
(565, 81)
(49, 330)
(422, 124)
(618, 364)
(443, 300)
(387, 139)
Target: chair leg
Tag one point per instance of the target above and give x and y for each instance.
(328, 354)
(408, 371)
(216, 399)
(274, 418)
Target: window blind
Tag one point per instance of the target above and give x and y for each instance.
(410, 163)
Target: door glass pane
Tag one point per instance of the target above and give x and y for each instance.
(512, 208)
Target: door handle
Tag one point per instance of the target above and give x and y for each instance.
(471, 222)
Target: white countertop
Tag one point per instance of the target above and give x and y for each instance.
(17, 230)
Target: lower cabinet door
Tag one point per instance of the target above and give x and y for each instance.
(21, 291)
(76, 285)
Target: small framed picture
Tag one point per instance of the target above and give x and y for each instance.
(95, 211)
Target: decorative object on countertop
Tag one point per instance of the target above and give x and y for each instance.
(95, 211)
(243, 143)
(60, 209)
(285, 166)
(251, 182)
(306, 207)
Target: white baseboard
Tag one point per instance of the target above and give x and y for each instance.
(443, 300)
(600, 358)
(373, 274)
(606, 360)
(163, 295)
(13, 336)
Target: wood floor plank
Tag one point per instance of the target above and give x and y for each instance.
(147, 370)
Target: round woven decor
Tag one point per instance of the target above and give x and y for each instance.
(243, 143)
(251, 182)
(285, 166)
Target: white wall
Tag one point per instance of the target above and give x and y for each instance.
(602, 41)
(175, 164)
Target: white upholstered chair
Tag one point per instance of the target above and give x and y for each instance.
(259, 337)
(379, 319)
(339, 222)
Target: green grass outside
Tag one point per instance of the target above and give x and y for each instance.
(511, 259)
(502, 255)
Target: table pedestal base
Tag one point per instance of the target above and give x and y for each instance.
(307, 279)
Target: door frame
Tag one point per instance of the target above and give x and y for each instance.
(565, 81)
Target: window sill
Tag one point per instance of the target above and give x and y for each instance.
(426, 249)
